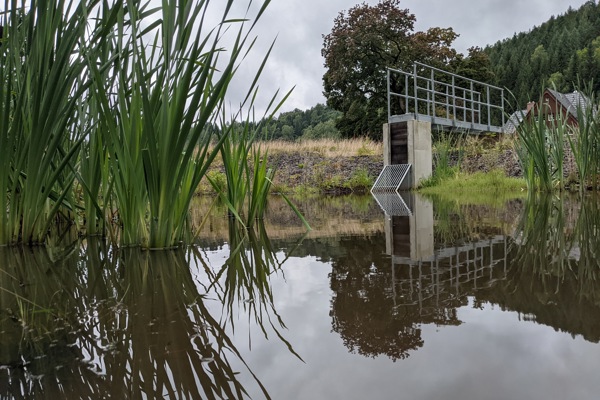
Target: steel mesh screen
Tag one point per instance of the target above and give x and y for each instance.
(392, 178)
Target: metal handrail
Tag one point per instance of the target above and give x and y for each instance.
(456, 75)
(454, 92)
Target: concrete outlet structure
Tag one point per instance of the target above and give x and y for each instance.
(409, 142)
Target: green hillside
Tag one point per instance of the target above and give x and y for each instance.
(563, 51)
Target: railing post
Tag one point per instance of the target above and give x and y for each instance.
(406, 99)
(447, 104)
(428, 100)
(389, 99)
(453, 99)
(489, 108)
(416, 90)
(433, 93)
(464, 108)
(479, 107)
(472, 103)
(502, 112)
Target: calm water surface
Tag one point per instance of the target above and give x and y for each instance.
(385, 298)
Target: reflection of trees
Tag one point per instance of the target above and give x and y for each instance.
(362, 308)
(100, 322)
(379, 305)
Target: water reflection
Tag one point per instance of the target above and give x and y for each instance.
(243, 283)
(103, 323)
(94, 322)
(380, 303)
(554, 279)
(541, 262)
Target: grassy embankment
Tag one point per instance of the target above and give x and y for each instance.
(473, 169)
(314, 166)
(470, 167)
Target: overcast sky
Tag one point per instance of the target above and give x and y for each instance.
(300, 24)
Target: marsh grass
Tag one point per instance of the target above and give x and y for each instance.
(444, 146)
(161, 141)
(585, 142)
(248, 176)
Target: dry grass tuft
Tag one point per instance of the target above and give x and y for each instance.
(326, 147)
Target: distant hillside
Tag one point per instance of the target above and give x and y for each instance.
(560, 52)
(316, 123)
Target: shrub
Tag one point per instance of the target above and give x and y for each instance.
(360, 181)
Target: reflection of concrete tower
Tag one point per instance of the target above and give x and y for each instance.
(408, 225)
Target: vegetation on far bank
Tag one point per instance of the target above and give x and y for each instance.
(475, 166)
(311, 167)
(492, 187)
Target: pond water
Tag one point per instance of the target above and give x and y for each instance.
(393, 297)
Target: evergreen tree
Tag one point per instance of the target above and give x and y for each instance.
(563, 51)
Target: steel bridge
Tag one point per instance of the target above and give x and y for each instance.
(448, 101)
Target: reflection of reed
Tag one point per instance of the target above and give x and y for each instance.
(43, 306)
(588, 239)
(545, 242)
(177, 348)
(243, 282)
(548, 278)
(103, 323)
(556, 268)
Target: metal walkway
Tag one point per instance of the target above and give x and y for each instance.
(447, 100)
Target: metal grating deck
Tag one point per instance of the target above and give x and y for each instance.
(393, 178)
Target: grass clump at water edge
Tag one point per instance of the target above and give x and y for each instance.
(480, 187)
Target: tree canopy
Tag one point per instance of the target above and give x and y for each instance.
(563, 52)
(364, 42)
(317, 122)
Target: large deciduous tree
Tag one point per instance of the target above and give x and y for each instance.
(365, 41)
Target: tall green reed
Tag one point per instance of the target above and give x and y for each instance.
(585, 141)
(533, 154)
(445, 146)
(120, 96)
(540, 148)
(42, 79)
(248, 175)
(544, 143)
(172, 83)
